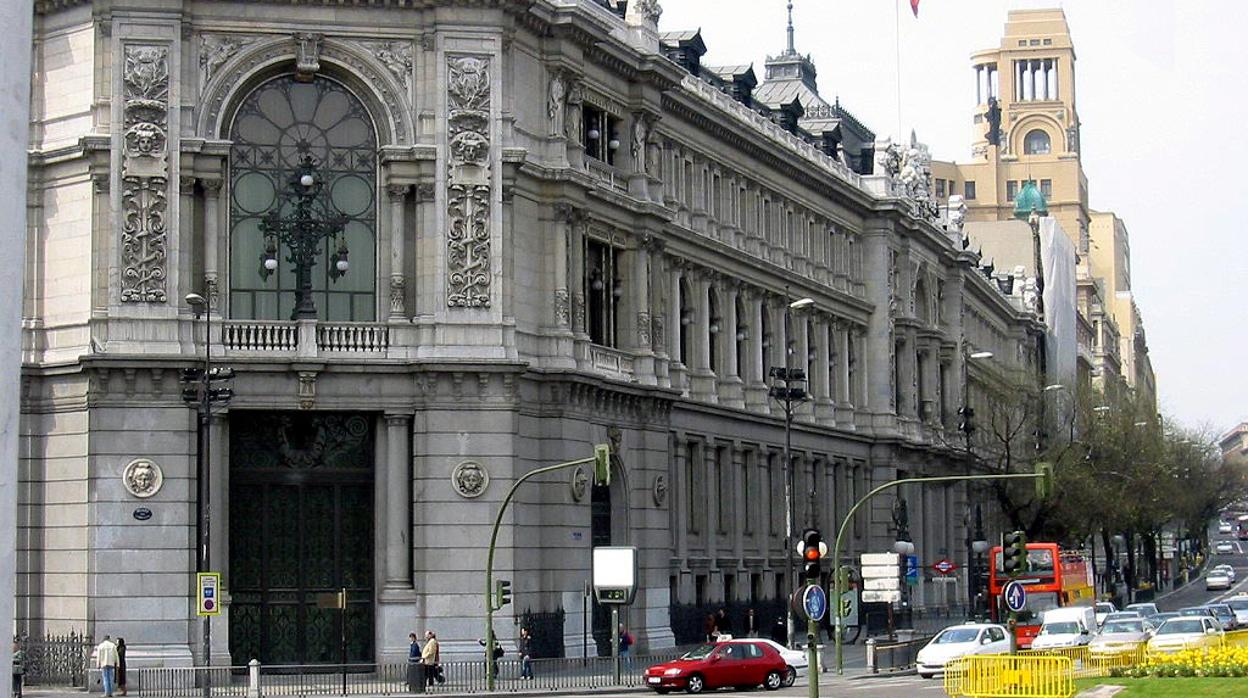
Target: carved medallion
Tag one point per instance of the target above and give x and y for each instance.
(470, 479)
(579, 483)
(659, 490)
(142, 478)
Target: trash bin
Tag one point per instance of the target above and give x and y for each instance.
(415, 677)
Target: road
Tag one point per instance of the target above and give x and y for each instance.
(1194, 594)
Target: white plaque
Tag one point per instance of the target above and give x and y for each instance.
(878, 559)
(878, 596)
(889, 584)
(880, 571)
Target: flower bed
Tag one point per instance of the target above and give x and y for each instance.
(1217, 661)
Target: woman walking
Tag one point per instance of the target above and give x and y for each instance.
(19, 668)
(121, 664)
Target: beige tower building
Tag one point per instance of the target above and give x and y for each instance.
(1025, 93)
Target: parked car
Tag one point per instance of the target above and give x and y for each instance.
(959, 641)
(1146, 610)
(796, 659)
(1225, 615)
(1179, 634)
(739, 663)
(1071, 626)
(1239, 604)
(1224, 547)
(1217, 580)
(1121, 636)
(1103, 608)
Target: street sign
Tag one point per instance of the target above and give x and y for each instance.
(849, 607)
(815, 602)
(882, 584)
(881, 596)
(1015, 596)
(880, 571)
(944, 566)
(209, 586)
(912, 569)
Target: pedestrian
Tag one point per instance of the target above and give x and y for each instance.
(492, 654)
(106, 661)
(431, 658)
(709, 626)
(121, 664)
(524, 647)
(413, 660)
(626, 643)
(19, 668)
(723, 624)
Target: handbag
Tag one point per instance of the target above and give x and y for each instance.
(438, 675)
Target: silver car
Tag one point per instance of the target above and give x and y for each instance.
(1121, 636)
(1239, 604)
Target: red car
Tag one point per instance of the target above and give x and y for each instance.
(743, 664)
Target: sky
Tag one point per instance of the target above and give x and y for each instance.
(1162, 139)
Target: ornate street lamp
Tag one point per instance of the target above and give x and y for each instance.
(309, 219)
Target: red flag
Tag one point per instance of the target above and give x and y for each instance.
(914, 5)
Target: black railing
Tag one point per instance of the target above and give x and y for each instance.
(57, 660)
(689, 621)
(545, 633)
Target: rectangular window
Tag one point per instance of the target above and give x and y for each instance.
(723, 475)
(940, 188)
(601, 132)
(1048, 42)
(1011, 190)
(968, 189)
(692, 486)
(747, 516)
(603, 290)
(1046, 188)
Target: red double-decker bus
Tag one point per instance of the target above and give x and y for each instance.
(1054, 579)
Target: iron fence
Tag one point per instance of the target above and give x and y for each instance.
(390, 679)
(58, 660)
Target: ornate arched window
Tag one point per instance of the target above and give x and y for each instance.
(277, 124)
(1036, 142)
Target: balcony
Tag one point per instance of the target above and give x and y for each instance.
(304, 339)
(611, 363)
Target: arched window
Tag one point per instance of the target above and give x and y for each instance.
(278, 123)
(1036, 142)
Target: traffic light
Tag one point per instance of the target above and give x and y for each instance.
(602, 465)
(966, 419)
(192, 381)
(1044, 483)
(502, 593)
(1014, 555)
(812, 549)
(216, 385)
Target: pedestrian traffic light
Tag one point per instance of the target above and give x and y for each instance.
(812, 549)
(502, 593)
(966, 417)
(1014, 554)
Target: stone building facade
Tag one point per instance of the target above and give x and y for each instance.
(556, 235)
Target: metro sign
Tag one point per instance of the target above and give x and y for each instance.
(944, 566)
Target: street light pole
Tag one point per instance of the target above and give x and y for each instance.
(787, 396)
(967, 427)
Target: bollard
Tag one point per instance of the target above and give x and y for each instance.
(253, 679)
(871, 656)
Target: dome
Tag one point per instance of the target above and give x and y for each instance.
(1028, 199)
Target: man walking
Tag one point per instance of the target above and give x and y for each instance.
(19, 668)
(429, 657)
(524, 647)
(106, 660)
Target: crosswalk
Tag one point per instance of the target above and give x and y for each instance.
(893, 686)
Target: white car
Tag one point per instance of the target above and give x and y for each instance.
(1230, 571)
(797, 660)
(1065, 633)
(1217, 580)
(1224, 547)
(1239, 604)
(1224, 527)
(1103, 609)
(1188, 632)
(959, 641)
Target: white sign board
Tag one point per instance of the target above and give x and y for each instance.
(878, 559)
(878, 596)
(615, 574)
(880, 572)
(883, 584)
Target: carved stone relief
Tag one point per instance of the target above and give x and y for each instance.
(469, 194)
(397, 56)
(660, 490)
(470, 479)
(562, 311)
(142, 478)
(554, 103)
(307, 54)
(215, 50)
(144, 174)
(579, 483)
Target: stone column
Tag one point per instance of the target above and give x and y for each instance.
(397, 194)
(576, 279)
(703, 384)
(562, 300)
(879, 340)
(658, 320)
(643, 366)
(800, 325)
(730, 384)
(821, 380)
(677, 369)
(398, 501)
(212, 243)
(762, 531)
(755, 369)
(710, 487)
(679, 500)
(739, 512)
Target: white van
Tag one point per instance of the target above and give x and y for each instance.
(1066, 627)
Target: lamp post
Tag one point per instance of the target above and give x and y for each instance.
(309, 220)
(967, 426)
(198, 390)
(786, 388)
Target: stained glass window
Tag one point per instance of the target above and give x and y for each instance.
(276, 124)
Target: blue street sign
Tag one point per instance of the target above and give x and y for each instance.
(912, 569)
(815, 602)
(1015, 596)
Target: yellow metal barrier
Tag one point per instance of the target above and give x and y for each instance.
(1238, 638)
(1010, 676)
(1086, 663)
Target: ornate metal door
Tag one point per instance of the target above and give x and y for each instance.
(301, 524)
